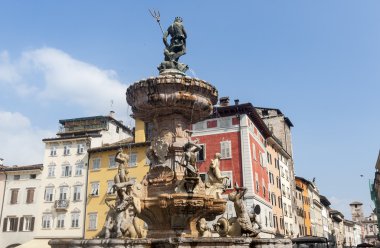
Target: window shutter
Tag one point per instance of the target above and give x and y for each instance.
(31, 196)
(21, 224)
(5, 224)
(32, 224)
(15, 227)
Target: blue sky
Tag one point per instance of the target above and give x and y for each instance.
(317, 61)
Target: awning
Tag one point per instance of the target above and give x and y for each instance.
(36, 243)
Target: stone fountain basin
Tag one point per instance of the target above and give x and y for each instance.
(176, 214)
(172, 94)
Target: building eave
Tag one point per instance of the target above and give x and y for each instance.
(244, 108)
(117, 146)
(72, 137)
(22, 167)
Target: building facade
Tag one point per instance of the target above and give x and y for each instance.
(101, 173)
(238, 134)
(61, 213)
(20, 202)
(303, 184)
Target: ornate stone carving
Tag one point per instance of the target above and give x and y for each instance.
(160, 175)
(160, 149)
(241, 224)
(122, 220)
(215, 184)
(203, 229)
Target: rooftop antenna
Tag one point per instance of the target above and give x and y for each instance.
(156, 15)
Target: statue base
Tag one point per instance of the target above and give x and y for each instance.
(172, 242)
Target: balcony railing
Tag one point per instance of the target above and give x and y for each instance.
(61, 204)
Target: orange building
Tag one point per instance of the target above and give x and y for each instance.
(303, 184)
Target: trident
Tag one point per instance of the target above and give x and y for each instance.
(156, 15)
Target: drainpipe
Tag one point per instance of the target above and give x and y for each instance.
(239, 137)
(2, 204)
(85, 187)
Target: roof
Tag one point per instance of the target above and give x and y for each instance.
(73, 137)
(287, 120)
(109, 118)
(356, 203)
(22, 167)
(336, 212)
(244, 108)
(304, 180)
(324, 200)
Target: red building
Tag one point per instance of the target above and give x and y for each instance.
(238, 134)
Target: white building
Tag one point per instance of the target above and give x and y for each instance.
(290, 225)
(61, 213)
(20, 202)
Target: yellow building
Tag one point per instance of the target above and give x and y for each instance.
(101, 171)
(303, 184)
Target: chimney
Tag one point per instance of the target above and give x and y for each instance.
(236, 101)
(111, 114)
(224, 101)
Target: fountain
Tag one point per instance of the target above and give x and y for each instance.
(171, 199)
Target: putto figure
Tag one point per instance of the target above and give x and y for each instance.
(176, 48)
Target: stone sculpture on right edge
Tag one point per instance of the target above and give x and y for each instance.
(244, 222)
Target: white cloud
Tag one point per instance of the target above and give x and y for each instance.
(52, 76)
(21, 143)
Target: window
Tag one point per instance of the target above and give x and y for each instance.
(26, 223)
(110, 184)
(254, 151)
(224, 122)
(262, 159)
(95, 189)
(53, 151)
(96, 164)
(80, 148)
(49, 194)
(14, 196)
(16, 177)
(66, 150)
(32, 176)
(132, 160)
(30, 195)
(93, 219)
(225, 149)
(212, 124)
(111, 162)
(10, 224)
(79, 169)
(46, 221)
(66, 171)
(60, 220)
(51, 170)
(201, 156)
(77, 193)
(63, 192)
(228, 182)
(264, 191)
(75, 220)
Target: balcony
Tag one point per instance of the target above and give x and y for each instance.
(61, 205)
